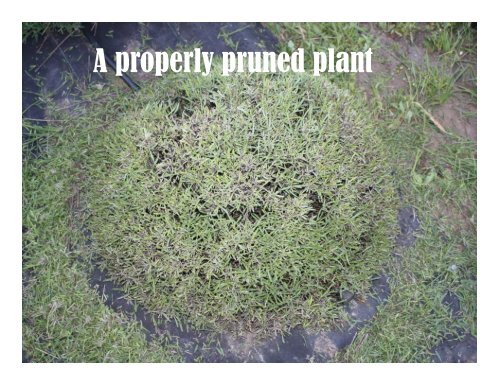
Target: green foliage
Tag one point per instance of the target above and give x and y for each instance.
(436, 174)
(246, 202)
(432, 84)
(64, 320)
(112, 144)
(405, 30)
(449, 38)
(33, 30)
(321, 36)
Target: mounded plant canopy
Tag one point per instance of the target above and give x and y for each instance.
(247, 202)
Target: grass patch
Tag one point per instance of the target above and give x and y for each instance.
(244, 203)
(32, 30)
(63, 319)
(450, 38)
(321, 36)
(431, 84)
(404, 30)
(436, 174)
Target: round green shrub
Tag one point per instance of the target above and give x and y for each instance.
(246, 202)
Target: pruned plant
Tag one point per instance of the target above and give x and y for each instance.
(247, 202)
